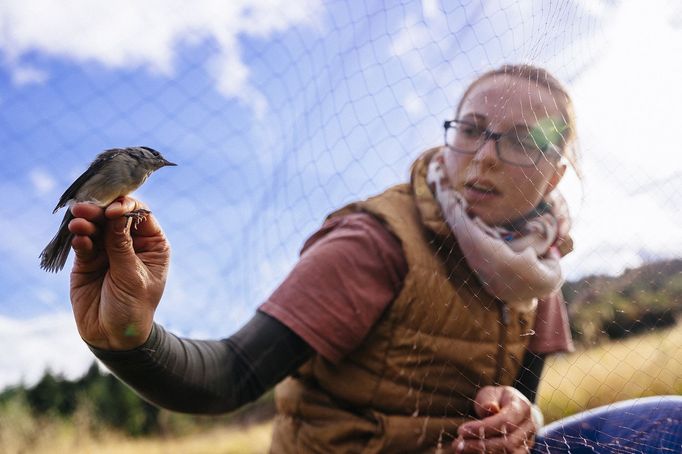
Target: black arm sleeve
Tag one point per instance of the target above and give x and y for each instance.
(529, 377)
(209, 377)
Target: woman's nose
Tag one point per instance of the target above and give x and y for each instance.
(487, 154)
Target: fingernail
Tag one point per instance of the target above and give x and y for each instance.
(460, 446)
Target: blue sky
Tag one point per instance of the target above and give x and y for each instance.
(279, 113)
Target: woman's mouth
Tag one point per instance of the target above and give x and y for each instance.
(478, 191)
(482, 187)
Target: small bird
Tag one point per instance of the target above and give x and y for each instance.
(113, 173)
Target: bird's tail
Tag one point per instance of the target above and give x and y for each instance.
(56, 252)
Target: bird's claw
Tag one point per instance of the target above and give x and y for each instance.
(137, 216)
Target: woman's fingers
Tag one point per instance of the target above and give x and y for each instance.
(121, 206)
(505, 420)
(88, 211)
(85, 227)
(144, 225)
(516, 439)
(506, 424)
(89, 255)
(82, 246)
(81, 226)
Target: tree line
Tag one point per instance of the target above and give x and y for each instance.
(108, 404)
(601, 309)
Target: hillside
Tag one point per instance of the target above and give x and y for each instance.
(640, 300)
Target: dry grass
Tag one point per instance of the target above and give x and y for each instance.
(641, 366)
(249, 440)
(63, 439)
(637, 367)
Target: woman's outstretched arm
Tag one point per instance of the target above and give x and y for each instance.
(209, 376)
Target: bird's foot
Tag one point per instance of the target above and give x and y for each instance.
(137, 216)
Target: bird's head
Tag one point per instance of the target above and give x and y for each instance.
(149, 158)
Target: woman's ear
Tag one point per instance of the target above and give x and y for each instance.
(559, 171)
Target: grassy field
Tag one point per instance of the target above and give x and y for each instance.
(641, 366)
(55, 438)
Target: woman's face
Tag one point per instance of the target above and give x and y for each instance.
(498, 192)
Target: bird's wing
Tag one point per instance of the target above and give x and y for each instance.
(96, 165)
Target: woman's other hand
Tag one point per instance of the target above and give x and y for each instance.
(118, 275)
(506, 424)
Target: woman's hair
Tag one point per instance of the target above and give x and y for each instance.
(560, 95)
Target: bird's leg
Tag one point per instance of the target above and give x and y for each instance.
(137, 216)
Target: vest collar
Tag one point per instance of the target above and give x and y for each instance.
(426, 203)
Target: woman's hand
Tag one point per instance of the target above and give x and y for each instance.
(506, 424)
(118, 275)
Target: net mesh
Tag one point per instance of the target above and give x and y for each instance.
(279, 114)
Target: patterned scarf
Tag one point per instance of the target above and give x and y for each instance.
(518, 262)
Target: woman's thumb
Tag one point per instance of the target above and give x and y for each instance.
(118, 243)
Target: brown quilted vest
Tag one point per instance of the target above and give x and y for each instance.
(412, 381)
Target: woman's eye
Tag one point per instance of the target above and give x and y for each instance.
(520, 144)
(472, 131)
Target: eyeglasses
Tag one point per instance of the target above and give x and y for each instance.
(520, 147)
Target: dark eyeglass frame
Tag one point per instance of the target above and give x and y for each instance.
(486, 136)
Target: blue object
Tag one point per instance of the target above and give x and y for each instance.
(645, 425)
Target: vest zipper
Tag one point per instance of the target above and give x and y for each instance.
(502, 344)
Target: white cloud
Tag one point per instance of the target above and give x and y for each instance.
(627, 103)
(129, 33)
(42, 181)
(27, 75)
(414, 105)
(431, 9)
(594, 7)
(49, 341)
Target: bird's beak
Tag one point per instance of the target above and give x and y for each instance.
(168, 163)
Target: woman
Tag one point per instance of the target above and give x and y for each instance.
(406, 324)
